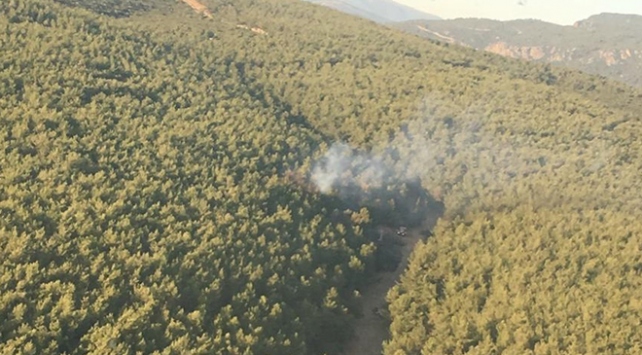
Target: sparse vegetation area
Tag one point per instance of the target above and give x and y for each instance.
(606, 44)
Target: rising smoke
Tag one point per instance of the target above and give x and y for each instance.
(475, 158)
(341, 167)
(417, 152)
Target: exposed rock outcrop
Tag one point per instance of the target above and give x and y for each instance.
(608, 44)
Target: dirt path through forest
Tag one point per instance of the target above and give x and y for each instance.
(371, 330)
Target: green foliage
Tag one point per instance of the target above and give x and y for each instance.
(142, 211)
(114, 8)
(523, 282)
(142, 204)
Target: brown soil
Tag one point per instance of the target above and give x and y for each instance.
(371, 329)
(198, 7)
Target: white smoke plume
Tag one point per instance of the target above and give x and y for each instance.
(473, 157)
(341, 166)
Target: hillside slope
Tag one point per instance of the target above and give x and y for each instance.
(382, 11)
(143, 211)
(605, 44)
(179, 184)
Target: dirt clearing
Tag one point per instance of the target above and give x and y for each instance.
(371, 329)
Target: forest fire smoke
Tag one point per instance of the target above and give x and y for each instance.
(341, 166)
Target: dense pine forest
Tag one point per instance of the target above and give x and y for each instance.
(177, 184)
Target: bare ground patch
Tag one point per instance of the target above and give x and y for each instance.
(371, 329)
